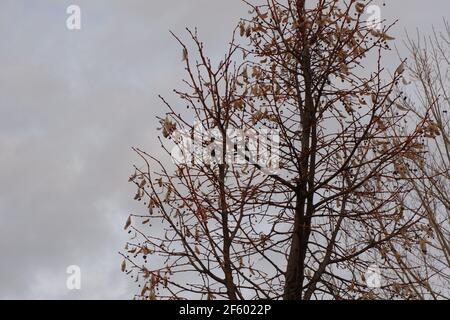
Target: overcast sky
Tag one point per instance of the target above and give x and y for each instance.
(73, 103)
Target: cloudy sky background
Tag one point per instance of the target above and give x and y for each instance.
(73, 103)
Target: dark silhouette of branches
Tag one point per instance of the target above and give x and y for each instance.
(334, 203)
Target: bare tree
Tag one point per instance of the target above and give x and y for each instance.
(336, 203)
(425, 261)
